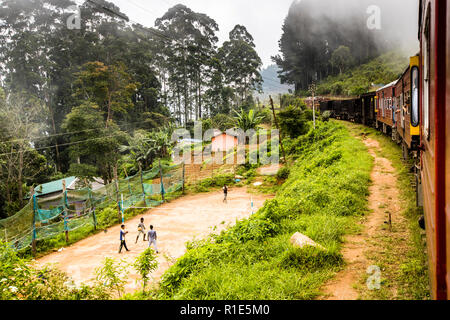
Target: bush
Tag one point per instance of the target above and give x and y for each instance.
(283, 173)
(20, 281)
(145, 264)
(107, 217)
(293, 121)
(218, 181)
(326, 116)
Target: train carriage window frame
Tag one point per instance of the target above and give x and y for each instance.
(426, 74)
(415, 83)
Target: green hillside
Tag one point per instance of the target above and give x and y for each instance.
(361, 79)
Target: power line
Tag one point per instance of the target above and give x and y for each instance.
(124, 17)
(62, 145)
(67, 133)
(127, 19)
(161, 34)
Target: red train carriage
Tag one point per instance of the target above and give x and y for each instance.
(368, 108)
(385, 107)
(430, 91)
(404, 132)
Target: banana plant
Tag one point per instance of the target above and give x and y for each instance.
(247, 121)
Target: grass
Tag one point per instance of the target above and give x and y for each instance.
(323, 197)
(400, 253)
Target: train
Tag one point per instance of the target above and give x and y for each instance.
(414, 111)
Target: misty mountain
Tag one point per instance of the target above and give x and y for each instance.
(272, 85)
(325, 37)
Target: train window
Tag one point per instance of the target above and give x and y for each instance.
(415, 96)
(426, 76)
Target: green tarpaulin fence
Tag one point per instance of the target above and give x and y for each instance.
(47, 218)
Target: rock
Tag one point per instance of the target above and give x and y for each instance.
(299, 240)
(257, 184)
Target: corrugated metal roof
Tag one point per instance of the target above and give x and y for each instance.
(52, 187)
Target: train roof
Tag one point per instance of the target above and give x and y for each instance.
(393, 83)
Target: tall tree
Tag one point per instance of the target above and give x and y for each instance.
(192, 39)
(313, 30)
(92, 144)
(342, 58)
(241, 63)
(20, 120)
(110, 87)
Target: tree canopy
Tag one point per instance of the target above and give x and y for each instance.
(72, 99)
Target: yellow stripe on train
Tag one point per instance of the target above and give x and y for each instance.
(415, 131)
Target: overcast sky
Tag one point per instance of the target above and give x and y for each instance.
(262, 18)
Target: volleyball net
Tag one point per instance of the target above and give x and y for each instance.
(45, 218)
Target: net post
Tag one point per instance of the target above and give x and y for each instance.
(142, 184)
(93, 208)
(120, 210)
(162, 183)
(66, 227)
(33, 236)
(116, 183)
(128, 181)
(184, 172)
(123, 210)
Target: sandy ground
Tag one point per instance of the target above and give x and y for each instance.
(176, 223)
(384, 197)
(269, 170)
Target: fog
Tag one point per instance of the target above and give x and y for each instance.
(396, 20)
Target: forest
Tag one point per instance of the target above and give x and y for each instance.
(72, 99)
(323, 39)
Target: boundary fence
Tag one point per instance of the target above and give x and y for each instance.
(44, 218)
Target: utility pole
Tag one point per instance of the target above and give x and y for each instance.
(278, 128)
(33, 225)
(312, 89)
(65, 205)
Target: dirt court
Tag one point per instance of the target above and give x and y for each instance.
(176, 222)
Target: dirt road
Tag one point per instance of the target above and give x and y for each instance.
(384, 198)
(176, 223)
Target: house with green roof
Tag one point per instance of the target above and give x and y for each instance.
(54, 188)
(49, 194)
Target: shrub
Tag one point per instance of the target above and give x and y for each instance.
(326, 116)
(283, 173)
(20, 281)
(293, 121)
(145, 264)
(112, 275)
